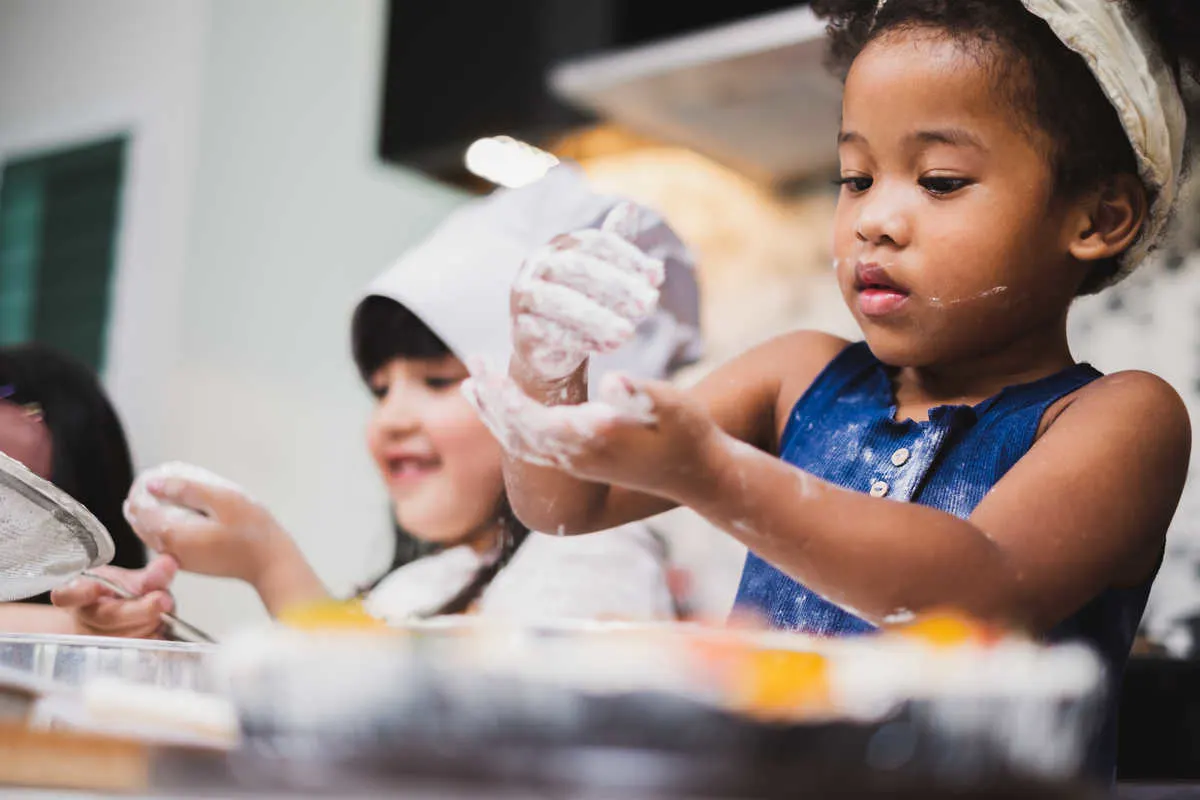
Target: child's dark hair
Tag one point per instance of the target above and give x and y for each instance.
(1066, 101)
(383, 330)
(90, 456)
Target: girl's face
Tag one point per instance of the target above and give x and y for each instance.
(440, 464)
(25, 437)
(948, 238)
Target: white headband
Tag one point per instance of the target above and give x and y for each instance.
(1134, 76)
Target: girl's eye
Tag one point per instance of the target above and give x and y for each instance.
(378, 392)
(855, 184)
(442, 384)
(943, 186)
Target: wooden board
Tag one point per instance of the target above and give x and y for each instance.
(66, 760)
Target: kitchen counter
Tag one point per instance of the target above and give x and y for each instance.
(201, 781)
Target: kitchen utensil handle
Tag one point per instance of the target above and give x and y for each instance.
(185, 631)
(179, 630)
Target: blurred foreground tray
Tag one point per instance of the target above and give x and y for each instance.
(617, 712)
(447, 714)
(73, 660)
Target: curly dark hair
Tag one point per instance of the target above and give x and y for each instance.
(1047, 84)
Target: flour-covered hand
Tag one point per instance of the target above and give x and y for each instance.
(206, 523)
(584, 292)
(644, 435)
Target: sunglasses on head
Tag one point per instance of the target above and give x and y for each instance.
(8, 394)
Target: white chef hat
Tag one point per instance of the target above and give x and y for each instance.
(457, 280)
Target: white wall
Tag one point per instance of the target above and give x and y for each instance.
(74, 71)
(255, 210)
(293, 213)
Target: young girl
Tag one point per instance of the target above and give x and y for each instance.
(998, 158)
(441, 466)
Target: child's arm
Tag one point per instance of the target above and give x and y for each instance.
(742, 398)
(230, 536)
(34, 618)
(103, 616)
(1087, 508)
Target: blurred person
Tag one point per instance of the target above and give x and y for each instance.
(56, 419)
(459, 547)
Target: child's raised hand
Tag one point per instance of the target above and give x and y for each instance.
(584, 292)
(209, 528)
(644, 435)
(98, 611)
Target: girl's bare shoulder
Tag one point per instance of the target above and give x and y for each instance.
(800, 357)
(751, 393)
(1131, 405)
(790, 363)
(1138, 396)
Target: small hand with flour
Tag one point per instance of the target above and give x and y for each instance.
(644, 435)
(206, 523)
(584, 292)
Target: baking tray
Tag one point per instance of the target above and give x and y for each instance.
(73, 660)
(332, 719)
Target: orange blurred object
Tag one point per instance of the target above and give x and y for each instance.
(332, 615)
(949, 628)
(783, 685)
(765, 682)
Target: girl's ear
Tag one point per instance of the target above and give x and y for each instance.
(1108, 220)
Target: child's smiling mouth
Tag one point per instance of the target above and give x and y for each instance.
(878, 294)
(407, 470)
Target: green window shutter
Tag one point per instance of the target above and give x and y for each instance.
(59, 215)
(20, 229)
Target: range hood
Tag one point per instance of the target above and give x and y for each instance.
(753, 94)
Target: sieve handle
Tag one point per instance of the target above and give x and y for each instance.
(181, 631)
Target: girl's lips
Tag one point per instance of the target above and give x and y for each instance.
(878, 294)
(880, 302)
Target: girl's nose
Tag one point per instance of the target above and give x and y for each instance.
(397, 413)
(883, 219)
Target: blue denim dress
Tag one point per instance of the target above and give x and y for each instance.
(843, 430)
